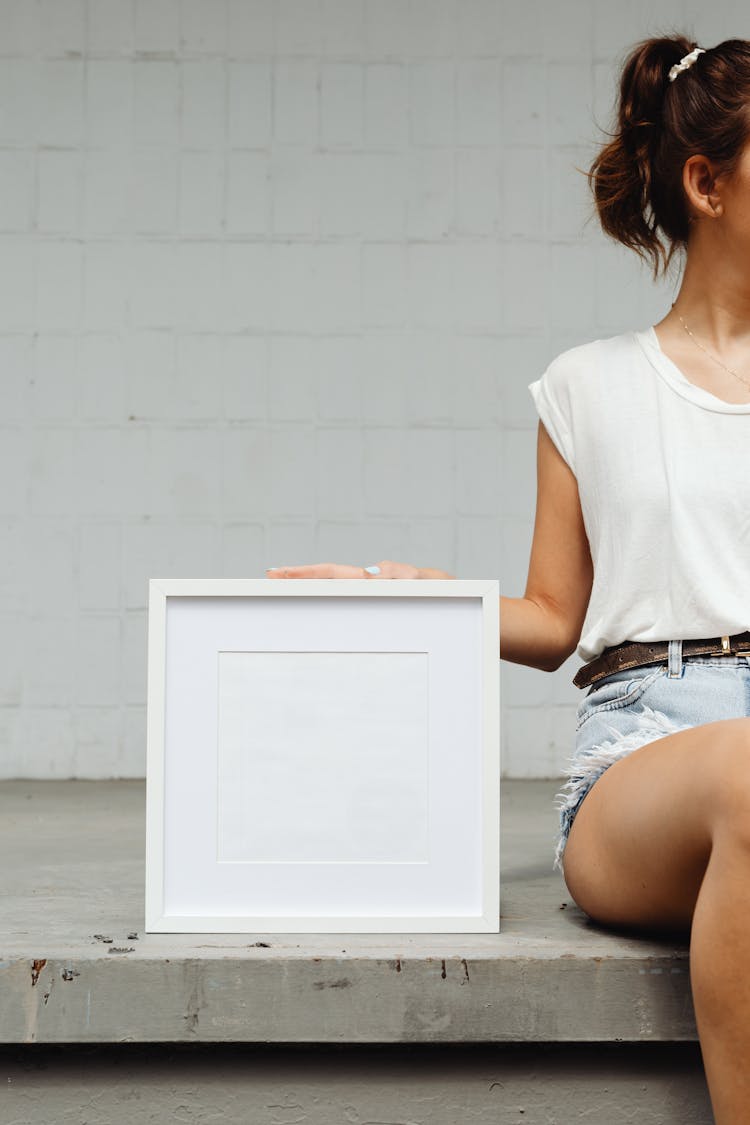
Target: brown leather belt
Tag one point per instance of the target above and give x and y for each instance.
(634, 654)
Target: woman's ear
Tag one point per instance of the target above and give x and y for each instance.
(702, 187)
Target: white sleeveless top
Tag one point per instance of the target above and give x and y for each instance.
(663, 471)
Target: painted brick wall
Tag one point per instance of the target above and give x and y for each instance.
(274, 279)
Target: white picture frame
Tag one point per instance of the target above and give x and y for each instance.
(323, 756)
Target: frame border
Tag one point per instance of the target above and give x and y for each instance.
(487, 590)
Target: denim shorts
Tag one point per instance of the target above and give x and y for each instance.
(629, 708)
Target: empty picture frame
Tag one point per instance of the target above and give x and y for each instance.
(323, 756)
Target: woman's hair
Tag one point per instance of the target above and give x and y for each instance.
(636, 178)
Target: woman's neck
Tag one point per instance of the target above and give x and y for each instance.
(714, 296)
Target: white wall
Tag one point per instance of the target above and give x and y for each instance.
(274, 279)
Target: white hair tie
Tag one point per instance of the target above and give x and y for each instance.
(685, 63)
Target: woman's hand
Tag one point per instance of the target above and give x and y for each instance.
(343, 570)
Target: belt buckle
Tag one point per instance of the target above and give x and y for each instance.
(726, 649)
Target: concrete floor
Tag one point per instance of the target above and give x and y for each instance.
(398, 1084)
(78, 968)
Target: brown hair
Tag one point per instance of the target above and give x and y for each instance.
(636, 178)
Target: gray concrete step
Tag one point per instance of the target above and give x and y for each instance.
(78, 968)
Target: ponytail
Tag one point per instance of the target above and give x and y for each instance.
(636, 177)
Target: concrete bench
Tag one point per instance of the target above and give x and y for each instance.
(551, 996)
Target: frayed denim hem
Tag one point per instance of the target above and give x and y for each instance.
(584, 768)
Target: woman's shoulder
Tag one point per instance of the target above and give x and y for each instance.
(575, 374)
(590, 356)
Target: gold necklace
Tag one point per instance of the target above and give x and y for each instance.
(708, 353)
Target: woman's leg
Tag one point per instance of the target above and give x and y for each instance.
(662, 840)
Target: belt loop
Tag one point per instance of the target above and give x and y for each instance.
(675, 667)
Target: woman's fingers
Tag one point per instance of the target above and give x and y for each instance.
(319, 570)
(344, 570)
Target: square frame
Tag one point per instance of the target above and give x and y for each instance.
(323, 756)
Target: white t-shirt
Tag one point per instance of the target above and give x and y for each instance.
(663, 475)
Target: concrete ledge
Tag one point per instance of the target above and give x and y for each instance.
(74, 876)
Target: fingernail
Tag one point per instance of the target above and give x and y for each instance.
(272, 568)
(372, 569)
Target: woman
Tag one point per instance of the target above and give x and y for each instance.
(640, 559)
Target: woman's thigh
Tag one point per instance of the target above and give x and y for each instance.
(642, 837)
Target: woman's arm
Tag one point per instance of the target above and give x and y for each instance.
(543, 628)
(532, 634)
